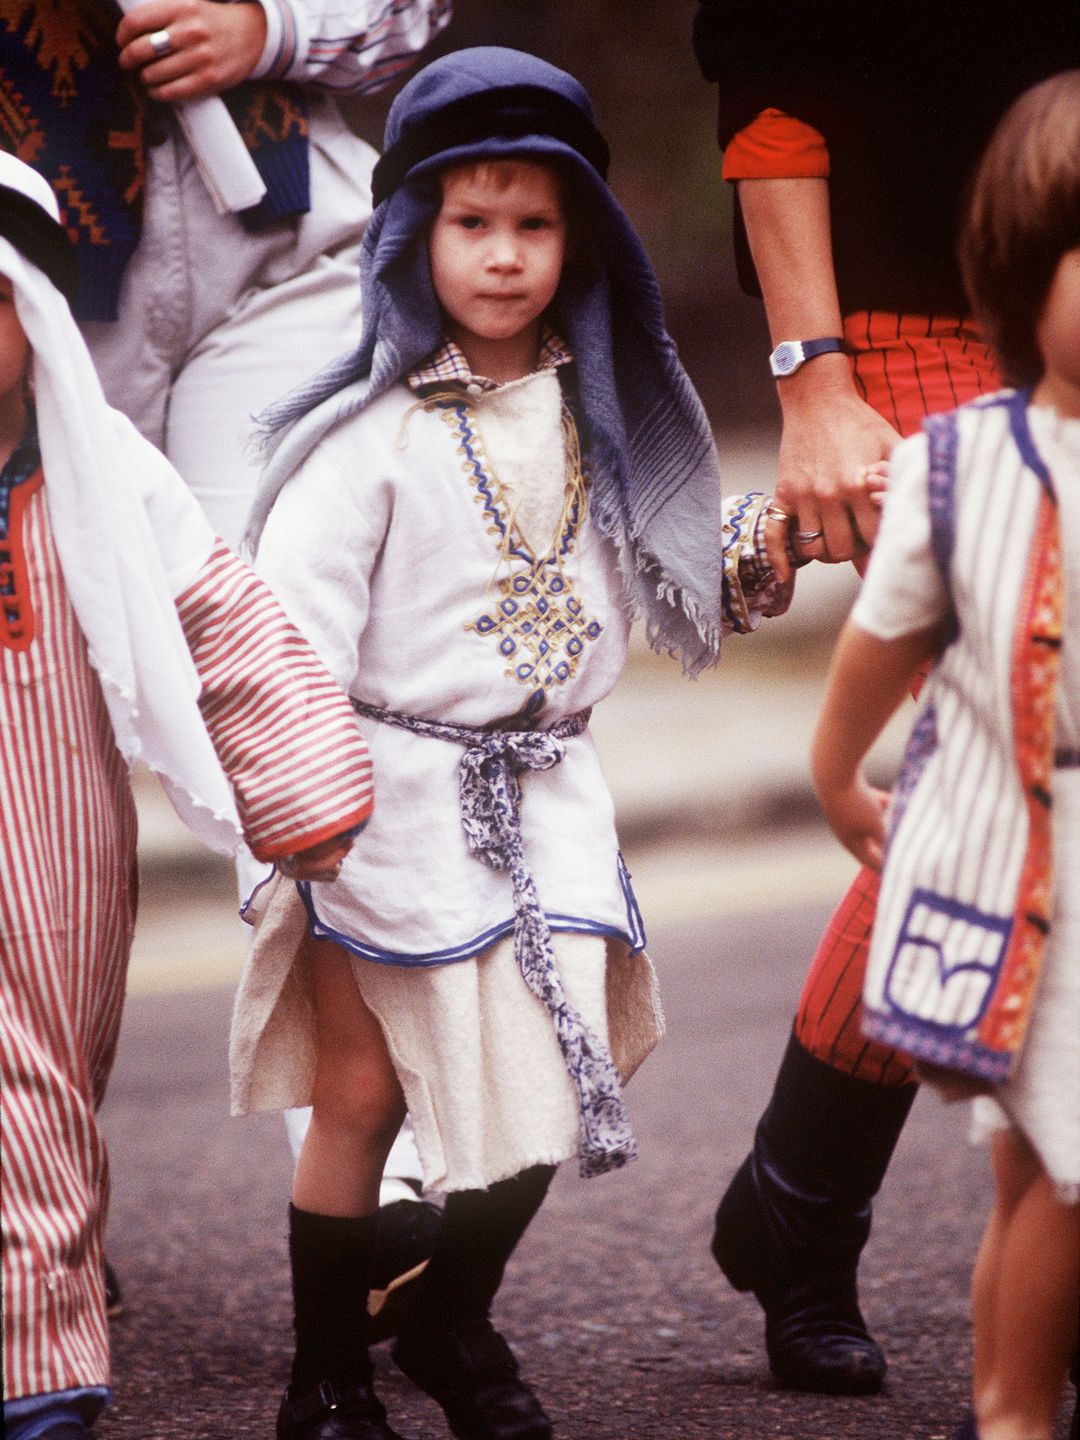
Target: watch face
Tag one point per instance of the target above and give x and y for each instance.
(785, 358)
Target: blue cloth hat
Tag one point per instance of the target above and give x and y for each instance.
(655, 487)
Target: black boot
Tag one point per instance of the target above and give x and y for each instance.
(330, 1396)
(65, 1430)
(793, 1221)
(448, 1345)
(404, 1242)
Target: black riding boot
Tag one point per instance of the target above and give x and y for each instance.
(448, 1345)
(329, 1396)
(793, 1221)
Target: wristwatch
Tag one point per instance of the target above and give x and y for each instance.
(790, 354)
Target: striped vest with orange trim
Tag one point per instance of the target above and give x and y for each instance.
(966, 893)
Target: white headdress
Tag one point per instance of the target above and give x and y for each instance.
(129, 534)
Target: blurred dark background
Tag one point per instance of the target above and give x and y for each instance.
(658, 115)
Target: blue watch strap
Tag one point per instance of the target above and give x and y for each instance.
(831, 343)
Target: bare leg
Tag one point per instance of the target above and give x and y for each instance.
(1026, 1291)
(1015, 1168)
(357, 1108)
(357, 1105)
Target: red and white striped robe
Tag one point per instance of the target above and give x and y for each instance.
(287, 739)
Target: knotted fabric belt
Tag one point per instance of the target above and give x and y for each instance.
(489, 791)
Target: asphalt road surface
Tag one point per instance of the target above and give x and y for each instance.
(622, 1320)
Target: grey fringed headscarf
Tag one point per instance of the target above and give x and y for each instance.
(654, 475)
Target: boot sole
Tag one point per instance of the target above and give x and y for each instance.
(826, 1383)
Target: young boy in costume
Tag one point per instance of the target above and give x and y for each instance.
(464, 515)
(127, 631)
(975, 959)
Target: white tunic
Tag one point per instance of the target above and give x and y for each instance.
(432, 554)
(385, 549)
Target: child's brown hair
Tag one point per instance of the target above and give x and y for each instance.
(500, 173)
(1023, 214)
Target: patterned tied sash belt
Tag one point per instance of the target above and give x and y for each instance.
(490, 797)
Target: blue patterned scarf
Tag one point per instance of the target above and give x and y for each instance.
(655, 488)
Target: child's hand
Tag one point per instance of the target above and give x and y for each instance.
(875, 480)
(857, 816)
(318, 862)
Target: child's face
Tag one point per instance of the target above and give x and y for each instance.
(14, 348)
(1058, 334)
(497, 256)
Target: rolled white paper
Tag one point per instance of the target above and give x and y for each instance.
(224, 161)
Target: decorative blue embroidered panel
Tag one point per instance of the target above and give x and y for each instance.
(20, 465)
(539, 624)
(946, 960)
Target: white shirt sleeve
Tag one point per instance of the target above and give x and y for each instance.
(349, 46)
(903, 590)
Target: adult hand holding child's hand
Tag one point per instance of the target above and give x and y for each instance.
(833, 464)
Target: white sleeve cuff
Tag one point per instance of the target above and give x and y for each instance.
(286, 39)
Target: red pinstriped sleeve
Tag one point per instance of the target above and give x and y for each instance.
(285, 734)
(775, 146)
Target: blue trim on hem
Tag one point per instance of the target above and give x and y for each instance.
(638, 938)
(633, 936)
(952, 1052)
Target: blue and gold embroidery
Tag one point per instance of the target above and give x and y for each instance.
(541, 627)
